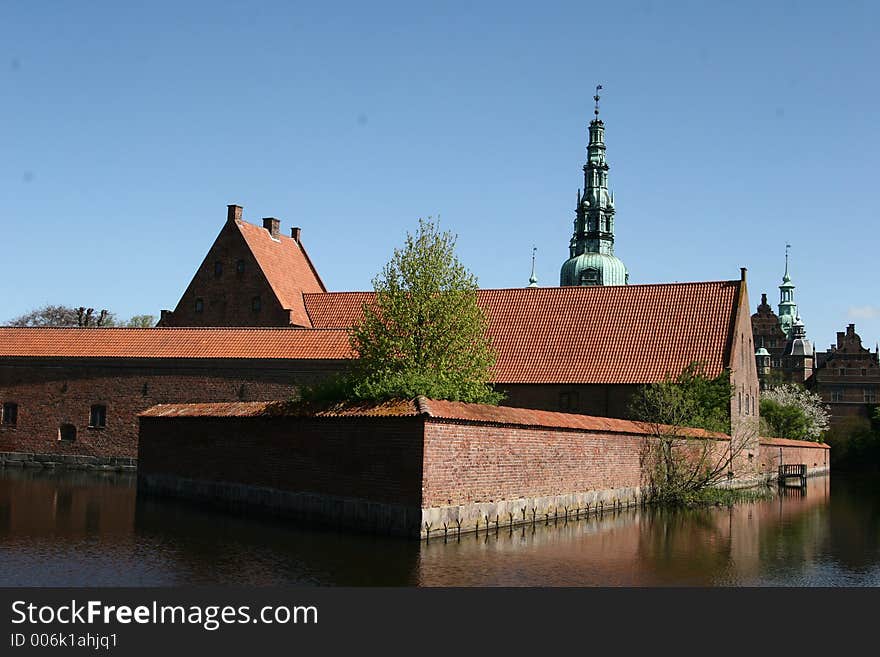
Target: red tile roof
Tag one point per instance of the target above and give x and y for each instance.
(787, 442)
(286, 266)
(619, 334)
(612, 335)
(430, 408)
(277, 343)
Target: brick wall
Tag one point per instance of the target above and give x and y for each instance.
(373, 459)
(421, 471)
(587, 399)
(227, 297)
(473, 463)
(52, 393)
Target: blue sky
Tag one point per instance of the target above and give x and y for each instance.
(731, 128)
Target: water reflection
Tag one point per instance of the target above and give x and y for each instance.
(87, 529)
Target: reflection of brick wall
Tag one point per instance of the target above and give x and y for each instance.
(50, 394)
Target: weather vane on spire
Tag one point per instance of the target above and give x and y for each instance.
(533, 280)
(596, 98)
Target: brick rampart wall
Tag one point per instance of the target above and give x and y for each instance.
(409, 474)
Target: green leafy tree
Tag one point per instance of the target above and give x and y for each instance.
(676, 465)
(792, 411)
(141, 321)
(424, 334)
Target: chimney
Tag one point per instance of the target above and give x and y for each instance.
(233, 213)
(295, 233)
(742, 274)
(164, 316)
(273, 225)
(763, 298)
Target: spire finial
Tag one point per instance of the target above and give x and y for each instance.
(533, 280)
(787, 247)
(596, 98)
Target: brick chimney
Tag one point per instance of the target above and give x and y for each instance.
(273, 225)
(295, 232)
(233, 213)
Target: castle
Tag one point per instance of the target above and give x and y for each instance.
(846, 376)
(256, 322)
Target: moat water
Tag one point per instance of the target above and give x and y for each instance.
(85, 529)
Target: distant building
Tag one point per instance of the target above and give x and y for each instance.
(847, 376)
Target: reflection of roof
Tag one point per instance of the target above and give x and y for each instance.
(618, 334)
(273, 343)
(286, 266)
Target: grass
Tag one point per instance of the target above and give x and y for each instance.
(728, 496)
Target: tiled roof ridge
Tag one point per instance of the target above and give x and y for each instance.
(175, 328)
(308, 258)
(535, 290)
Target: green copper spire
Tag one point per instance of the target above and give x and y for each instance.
(788, 310)
(591, 250)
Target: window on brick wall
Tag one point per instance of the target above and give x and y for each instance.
(200, 305)
(98, 416)
(256, 304)
(837, 395)
(67, 433)
(218, 269)
(870, 397)
(239, 267)
(10, 414)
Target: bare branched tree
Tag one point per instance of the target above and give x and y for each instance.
(688, 447)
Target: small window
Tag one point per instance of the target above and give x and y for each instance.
(10, 414)
(864, 372)
(837, 395)
(67, 433)
(218, 269)
(239, 266)
(870, 397)
(256, 304)
(200, 305)
(748, 404)
(98, 416)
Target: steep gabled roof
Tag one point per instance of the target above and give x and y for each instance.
(286, 266)
(616, 334)
(234, 343)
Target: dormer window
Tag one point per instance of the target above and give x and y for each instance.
(200, 305)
